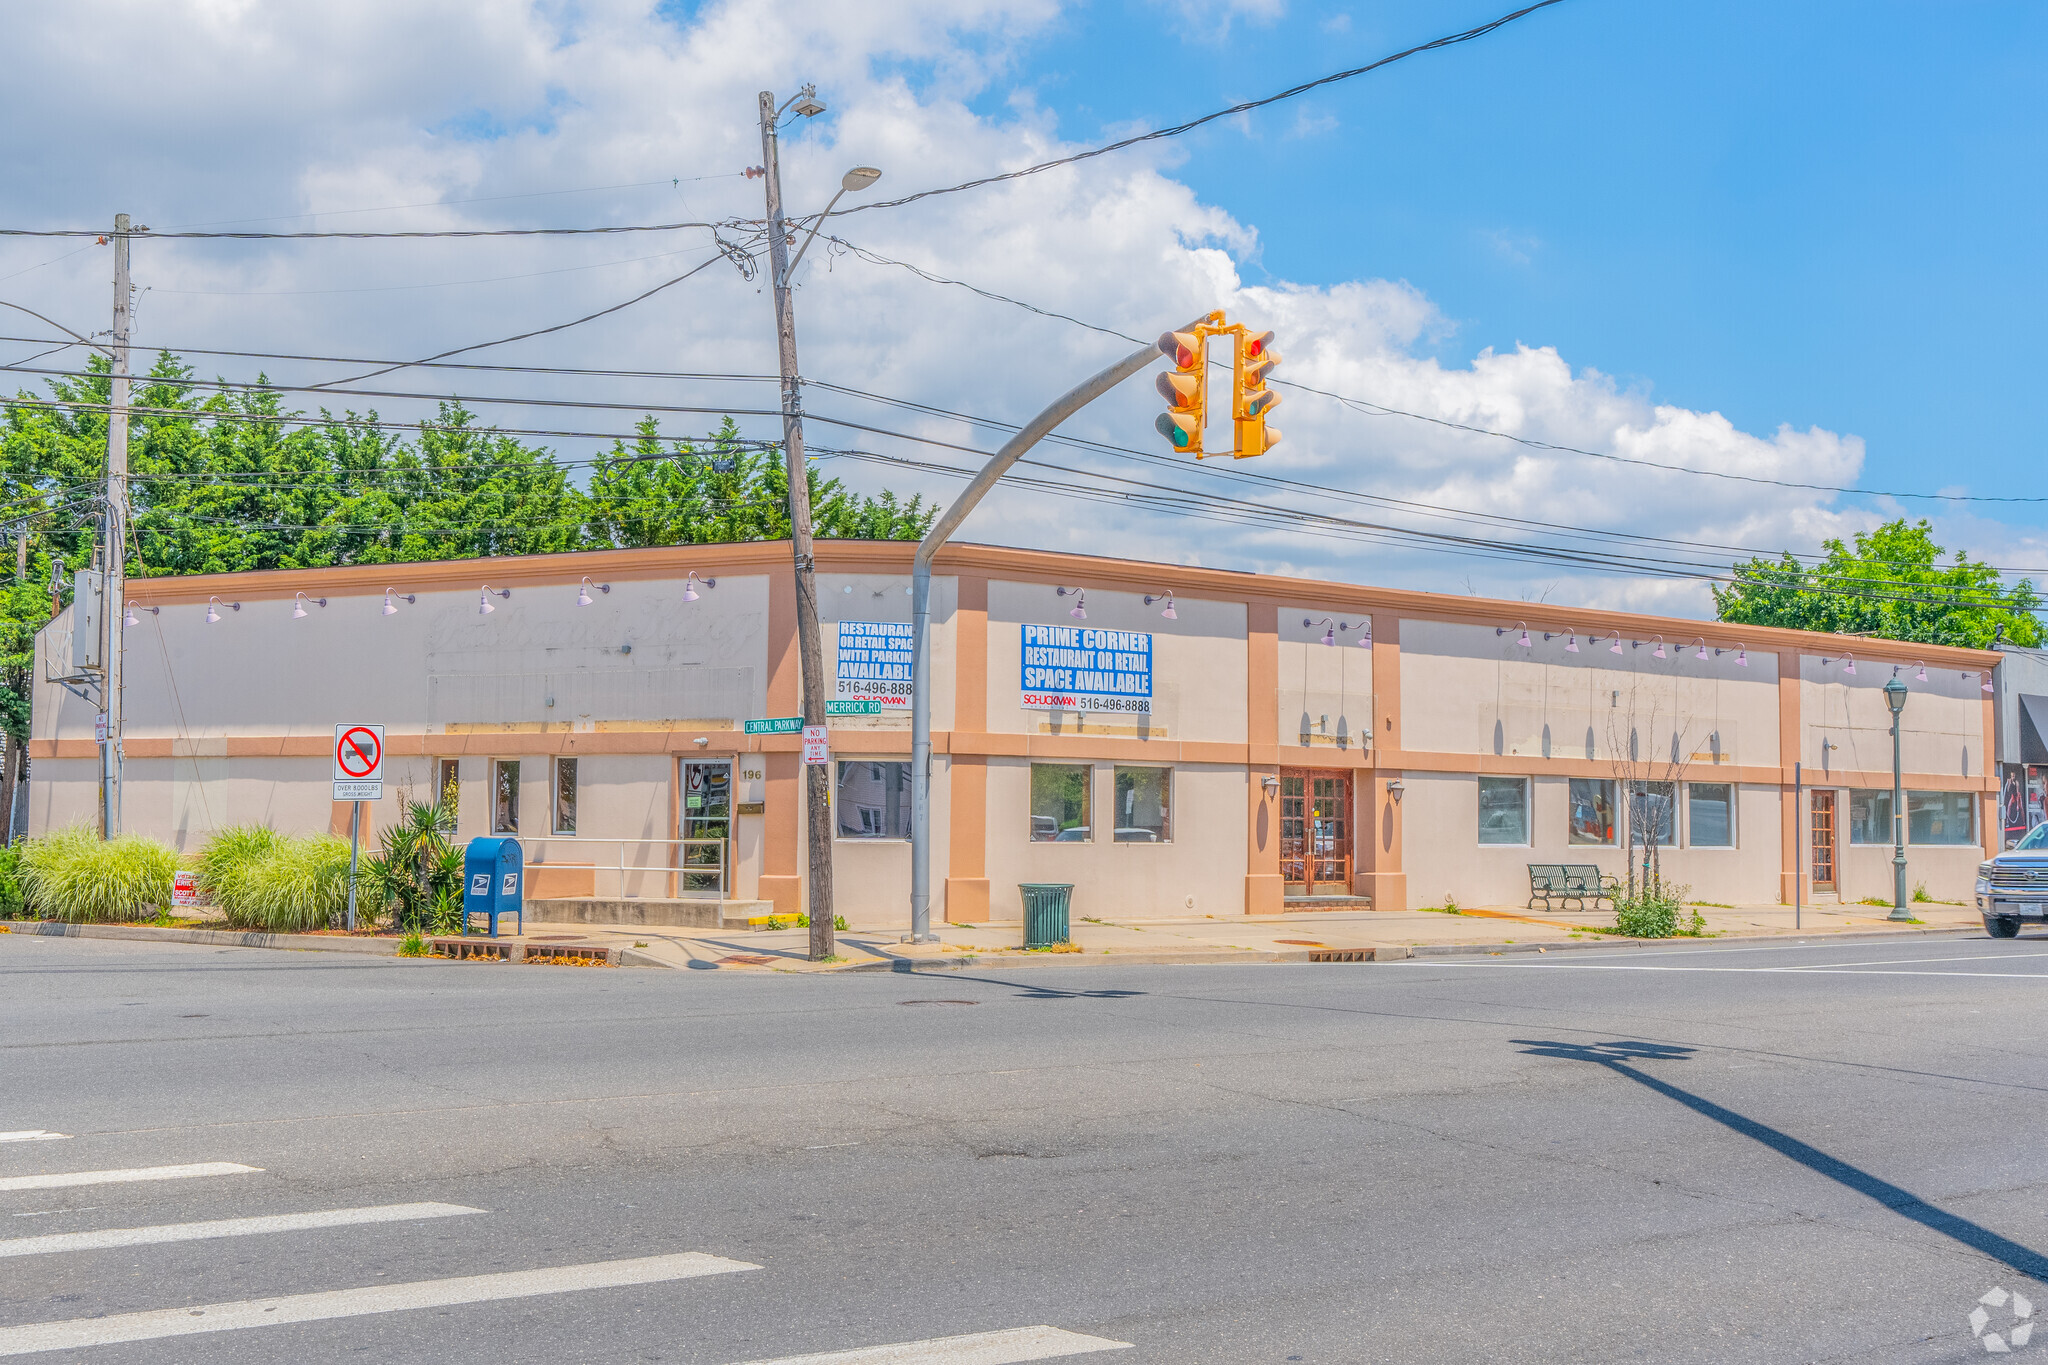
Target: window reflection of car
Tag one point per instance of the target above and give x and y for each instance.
(1077, 835)
(1136, 834)
(1044, 827)
(1502, 822)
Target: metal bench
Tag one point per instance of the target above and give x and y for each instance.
(1584, 882)
(1547, 882)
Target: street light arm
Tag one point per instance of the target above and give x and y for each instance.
(1013, 450)
(789, 271)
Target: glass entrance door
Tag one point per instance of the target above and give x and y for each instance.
(1824, 841)
(1315, 832)
(705, 827)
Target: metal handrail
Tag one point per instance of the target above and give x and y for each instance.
(719, 867)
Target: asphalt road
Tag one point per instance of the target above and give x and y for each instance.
(1707, 1153)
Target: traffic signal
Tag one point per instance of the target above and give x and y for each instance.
(1253, 400)
(1185, 389)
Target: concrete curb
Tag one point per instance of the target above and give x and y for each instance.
(222, 938)
(1421, 950)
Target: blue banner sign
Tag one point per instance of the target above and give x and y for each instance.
(875, 663)
(1074, 668)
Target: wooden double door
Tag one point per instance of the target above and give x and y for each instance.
(1316, 818)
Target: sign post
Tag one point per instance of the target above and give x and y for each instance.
(358, 777)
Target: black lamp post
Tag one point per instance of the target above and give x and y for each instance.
(1895, 698)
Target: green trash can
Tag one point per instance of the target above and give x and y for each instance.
(1045, 912)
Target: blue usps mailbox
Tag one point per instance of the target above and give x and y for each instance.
(493, 873)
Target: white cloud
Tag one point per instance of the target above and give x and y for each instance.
(208, 111)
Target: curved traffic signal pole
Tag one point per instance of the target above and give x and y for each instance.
(1069, 403)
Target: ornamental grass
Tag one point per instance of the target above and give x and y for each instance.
(291, 886)
(228, 854)
(75, 875)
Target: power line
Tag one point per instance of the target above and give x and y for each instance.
(724, 250)
(1449, 40)
(421, 234)
(426, 364)
(451, 203)
(1383, 409)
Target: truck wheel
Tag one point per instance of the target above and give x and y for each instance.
(2001, 926)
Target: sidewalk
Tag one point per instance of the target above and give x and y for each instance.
(1305, 936)
(1278, 938)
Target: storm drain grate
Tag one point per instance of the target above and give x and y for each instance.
(1341, 955)
(572, 954)
(474, 949)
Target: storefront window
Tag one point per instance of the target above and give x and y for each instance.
(1710, 814)
(1592, 815)
(505, 796)
(1870, 815)
(872, 800)
(1059, 803)
(447, 792)
(1144, 805)
(1941, 817)
(565, 796)
(1503, 810)
(1654, 808)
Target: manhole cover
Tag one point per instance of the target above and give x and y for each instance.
(938, 1002)
(1301, 942)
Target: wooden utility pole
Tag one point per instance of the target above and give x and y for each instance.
(114, 609)
(810, 652)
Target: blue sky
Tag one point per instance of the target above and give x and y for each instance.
(1818, 213)
(1733, 242)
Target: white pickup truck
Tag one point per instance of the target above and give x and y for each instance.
(2013, 887)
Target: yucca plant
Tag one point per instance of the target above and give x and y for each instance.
(76, 875)
(299, 884)
(230, 853)
(416, 871)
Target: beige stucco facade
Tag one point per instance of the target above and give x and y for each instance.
(1396, 723)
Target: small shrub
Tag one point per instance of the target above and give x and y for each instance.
(298, 884)
(13, 904)
(76, 875)
(1920, 896)
(414, 944)
(1657, 914)
(839, 924)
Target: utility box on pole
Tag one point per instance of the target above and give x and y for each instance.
(88, 609)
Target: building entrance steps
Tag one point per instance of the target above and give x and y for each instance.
(653, 913)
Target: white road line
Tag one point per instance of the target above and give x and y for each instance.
(979, 1348)
(80, 1333)
(225, 1227)
(1912, 961)
(65, 1178)
(1753, 971)
(32, 1135)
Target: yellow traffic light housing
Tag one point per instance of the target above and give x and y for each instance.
(1252, 399)
(1186, 388)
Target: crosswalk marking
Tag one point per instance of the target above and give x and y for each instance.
(32, 1135)
(225, 1227)
(978, 1348)
(65, 1178)
(80, 1333)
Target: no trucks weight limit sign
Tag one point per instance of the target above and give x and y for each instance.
(358, 762)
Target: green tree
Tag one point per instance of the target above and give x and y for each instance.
(1889, 583)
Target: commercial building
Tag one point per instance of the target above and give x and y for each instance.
(1174, 741)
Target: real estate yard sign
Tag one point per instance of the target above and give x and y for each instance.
(1074, 668)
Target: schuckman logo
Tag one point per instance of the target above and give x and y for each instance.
(2016, 1319)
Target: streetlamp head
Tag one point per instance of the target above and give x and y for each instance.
(859, 178)
(1895, 696)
